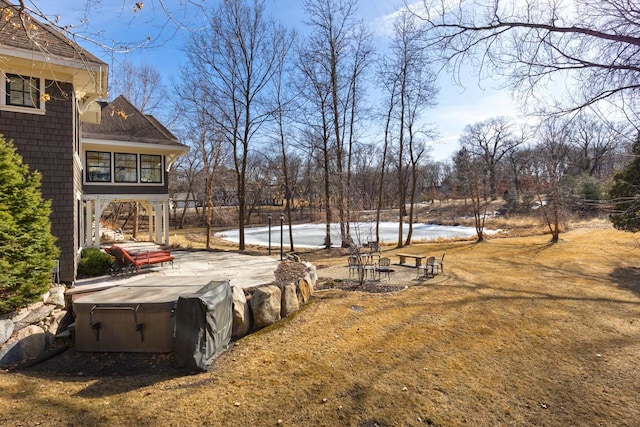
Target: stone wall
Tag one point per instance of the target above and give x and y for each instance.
(27, 333)
(258, 307)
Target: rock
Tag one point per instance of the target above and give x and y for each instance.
(56, 296)
(290, 302)
(28, 344)
(45, 296)
(266, 305)
(6, 329)
(37, 315)
(32, 343)
(55, 325)
(20, 314)
(304, 290)
(313, 275)
(241, 313)
(10, 353)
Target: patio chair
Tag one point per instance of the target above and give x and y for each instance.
(439, 265)
(384, 267)
(427, 267)
(354, 265)
(370, 265)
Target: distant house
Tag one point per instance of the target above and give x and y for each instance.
(47, 101)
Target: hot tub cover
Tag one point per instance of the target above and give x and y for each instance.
(203, 325)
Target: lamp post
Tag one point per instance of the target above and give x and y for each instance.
(269, 217)
(281, 222)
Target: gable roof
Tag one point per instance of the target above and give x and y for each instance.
(123, 122)
(21, 31)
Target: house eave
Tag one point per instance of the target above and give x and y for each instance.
(129, 146)
(88, 78)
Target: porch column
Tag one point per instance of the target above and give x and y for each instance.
(99, 207)
(165, 222)
(158, 221)
(87, 239)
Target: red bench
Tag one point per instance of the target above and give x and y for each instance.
(126, 260)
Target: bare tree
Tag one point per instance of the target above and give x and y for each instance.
(593, 46)
(595, 143)
(205, 137)
(341, 47)
(554, 149)
(413, 84)
(141, 84)
(491, 140)
(283, 98)
(236, 61)
(313, 87)
(473, 185)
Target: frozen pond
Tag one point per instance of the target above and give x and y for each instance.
(312, 235)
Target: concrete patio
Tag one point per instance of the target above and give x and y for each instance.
(244, 271)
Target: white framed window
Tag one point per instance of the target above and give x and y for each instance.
(106, 167)
(98, 166)
(151, 168)
(126, 167)
(22, 93)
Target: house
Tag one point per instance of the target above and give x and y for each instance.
(49, 96)
(126, 158)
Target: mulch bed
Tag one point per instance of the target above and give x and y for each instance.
(371, 286)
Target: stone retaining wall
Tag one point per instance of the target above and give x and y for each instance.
(258, 307)
(27, 333)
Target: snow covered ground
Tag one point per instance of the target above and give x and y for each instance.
(312, 235)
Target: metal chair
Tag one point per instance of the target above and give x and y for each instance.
(354, 265)
(428, 266)
(384, 267)
(439, 265)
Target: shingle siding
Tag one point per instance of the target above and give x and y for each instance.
(46, 144)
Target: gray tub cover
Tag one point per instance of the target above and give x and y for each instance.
(203, 325)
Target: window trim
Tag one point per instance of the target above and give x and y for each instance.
(88, 167)
(161, 169)
(113, 171)
(36, 109)
(117, 168)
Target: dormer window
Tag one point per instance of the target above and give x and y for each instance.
(22, 91)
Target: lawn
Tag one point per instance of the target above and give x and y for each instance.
(517, 332)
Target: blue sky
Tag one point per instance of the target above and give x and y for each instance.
(115, 20)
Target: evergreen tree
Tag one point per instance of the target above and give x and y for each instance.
(625, 194)
(27, 247)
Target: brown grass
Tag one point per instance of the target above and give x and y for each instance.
(519, 332)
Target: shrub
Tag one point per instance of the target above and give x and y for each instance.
(94, 262)
(27, 247)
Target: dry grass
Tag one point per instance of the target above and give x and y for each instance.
(519, 332)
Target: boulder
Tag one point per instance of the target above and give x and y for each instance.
(32, 342)
(290, 302)
(241, 313)
(56, 317)
(266, 305)
(304, 290)
(313, 275)
(28, 344)
(56, 296)
(37, 315)
(6, 329)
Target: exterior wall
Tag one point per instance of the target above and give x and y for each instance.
(46, 144)
(116, 189)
